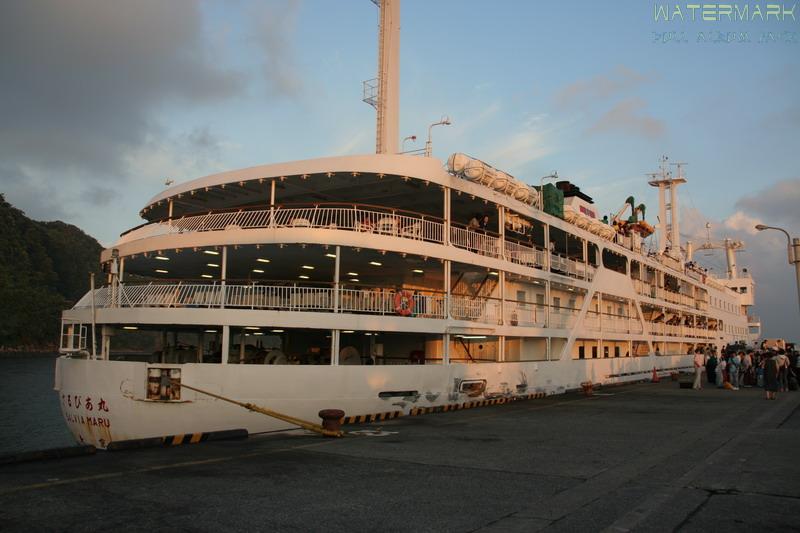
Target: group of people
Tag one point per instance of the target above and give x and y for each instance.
(775, 370)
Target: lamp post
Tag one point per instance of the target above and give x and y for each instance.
(428, 145)
(412, 138)
(794, 253)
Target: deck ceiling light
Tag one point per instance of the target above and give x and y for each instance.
(303, 276)
(162, 258)
(212, 265)
(493, 273)
(206, 276)
(252, 327)
(308, 267)
(211, 252)
(418, 271)
(355, 280)
(277, 331)
(258, 271)
(129, 327)
(348, 331)
(375, 263)
(258, 333)
(162, 271)
(352, 273)
(262, 260)
(210, 331)
(332, 256)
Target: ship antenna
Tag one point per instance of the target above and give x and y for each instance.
(383, 92)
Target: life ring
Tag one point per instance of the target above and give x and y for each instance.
(403, 302)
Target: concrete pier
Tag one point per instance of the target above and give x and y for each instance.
(639, 457)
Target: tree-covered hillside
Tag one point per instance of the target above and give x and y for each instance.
(44, 268)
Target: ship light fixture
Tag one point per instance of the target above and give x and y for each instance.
(375, 263)
(162, 271)
(277, 331)
(472, 336)
(210, 331)
(493, 273)
(303, 276)
(332, 256)
(252, 327)
(212, 265)
(308, 267)
(211, 252)
(258, 271)
(355, 280)
(258, 333)
(129, 327)
(418, 271)
(262, 260)
(162, 258)
(206, 276)
(352, 273)
(348, 331)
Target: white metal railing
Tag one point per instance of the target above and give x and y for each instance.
(475, 241)
(524, 255)
(570, 267)
(252, 296)
(563, 317)
(592, 321)
(344, 218)
(614, 323)
(525, 314)
(486, 310)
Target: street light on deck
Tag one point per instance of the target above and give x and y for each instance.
(428, 144)
(793, 247)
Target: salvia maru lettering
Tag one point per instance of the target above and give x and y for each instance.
(381, 285)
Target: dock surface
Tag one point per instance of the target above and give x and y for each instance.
(642, 457)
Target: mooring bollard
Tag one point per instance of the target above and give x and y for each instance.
(588, 388)
(332, 419)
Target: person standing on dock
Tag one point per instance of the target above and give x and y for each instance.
(711, 369)
(699, 363)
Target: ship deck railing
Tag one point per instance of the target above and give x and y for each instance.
(371, 219)
(290, 297)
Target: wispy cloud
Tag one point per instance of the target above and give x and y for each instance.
(531, 142)
(628, 117)
(777, 204)
(600, 87)
(273, 26)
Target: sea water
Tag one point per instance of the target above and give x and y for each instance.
(30, 415)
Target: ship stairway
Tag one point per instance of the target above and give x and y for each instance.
(466, 349)
(73, 337)
(474, 285)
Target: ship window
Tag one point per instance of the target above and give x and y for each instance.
(520, 296)
(556, 301)
(581, 352)
(616, 351)
(594, 352)
(592, 253)
(540, 299)
(615, 261)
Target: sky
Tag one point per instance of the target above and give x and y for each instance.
(102, 101)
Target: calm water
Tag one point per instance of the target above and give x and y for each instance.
(30, 416)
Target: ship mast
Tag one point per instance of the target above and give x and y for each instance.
(383, 92)
(668, 219)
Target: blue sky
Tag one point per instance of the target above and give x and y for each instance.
(105, 100)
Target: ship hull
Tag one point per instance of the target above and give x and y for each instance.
(107, 401)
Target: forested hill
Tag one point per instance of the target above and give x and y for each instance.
(44, 268)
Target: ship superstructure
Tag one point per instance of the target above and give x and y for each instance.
(377, 283)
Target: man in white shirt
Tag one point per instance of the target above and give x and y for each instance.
(699, 364)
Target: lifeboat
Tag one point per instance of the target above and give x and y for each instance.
(476, 170)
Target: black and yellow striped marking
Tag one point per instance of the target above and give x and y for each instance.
(187, 438)
(373, 417)
(416, 411)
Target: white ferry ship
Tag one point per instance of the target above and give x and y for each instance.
(382, 285)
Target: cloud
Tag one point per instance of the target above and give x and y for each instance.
(85, 83)
(600, 87)
(529, 143)
(626, 117)
(273, 25)
(776, 204)
(742, 222)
